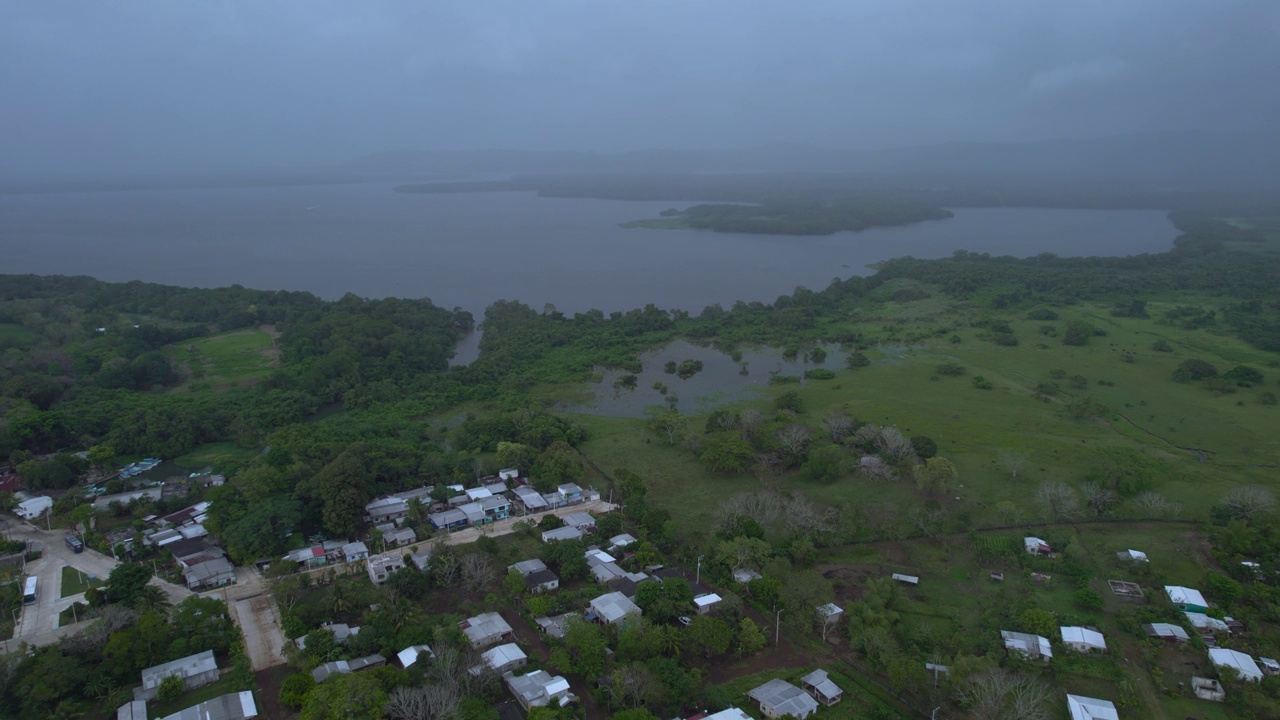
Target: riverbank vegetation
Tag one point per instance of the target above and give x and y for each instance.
(792, 218)
(945, 406)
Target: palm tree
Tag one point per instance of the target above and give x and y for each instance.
(98, 686)
(417, 511)
(338, 602)
(151, 598)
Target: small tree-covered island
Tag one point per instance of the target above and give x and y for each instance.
(987, 487)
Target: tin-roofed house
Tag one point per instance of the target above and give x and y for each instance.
(195, 670)
(232, 706)
(1083, 639)
(413, 654)
(1030, 646)
(1186, 599)
(1087, 708)
(539, 689)
(486, 629)
(819, 685)
(779, 697)
(613, 608)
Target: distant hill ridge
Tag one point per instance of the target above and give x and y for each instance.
(1169, 161)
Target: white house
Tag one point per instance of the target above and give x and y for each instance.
(501, 659)
(381, 567)
(779, 697)
(1243, 664)
(1185, 598)
(1166, 631)
(621, 541)
(1087, 708)
(1082, 639)
(1031, 646)
(539, 689)
(732, 713)
(584, 521)
(612, 608)
(1036, 546)
(413, 654)
(486, 629)
(706, 602)
(1200, 621)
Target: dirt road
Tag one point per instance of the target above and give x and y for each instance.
(259, 623)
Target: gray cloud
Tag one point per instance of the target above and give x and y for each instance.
(160, 85)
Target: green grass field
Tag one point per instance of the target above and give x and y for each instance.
(1152, 416)
(229, 360)
(70, 615)
(215, 455)
(72, 584)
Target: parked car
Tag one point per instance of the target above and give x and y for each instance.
(684, 620)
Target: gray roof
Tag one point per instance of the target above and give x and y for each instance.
(208, 570)
(538, 688)
(562, 533)
(554, 625)
(613, 607)
(527, 567)
(820, 682)
(579, 519)
(538, 578)
(232, 706)
(784, 698)
(182, 667)
(341, 667)
(132, 710)
(401, 536)
(484, 627)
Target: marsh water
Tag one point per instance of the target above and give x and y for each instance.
(467, 250)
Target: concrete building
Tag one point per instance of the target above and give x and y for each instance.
(562, 533)
(612, 608)
(539, 689)
(501, 659)
(380, 567)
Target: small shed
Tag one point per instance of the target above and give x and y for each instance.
(1087, 708)
(1132, 555)
(906, 579)
(706, 602)
(1208, 689)
(1036, 546)
(1083, 639)
(819, 685)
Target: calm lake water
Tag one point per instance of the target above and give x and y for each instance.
(468, 250)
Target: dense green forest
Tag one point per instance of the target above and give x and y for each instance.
(794, 218)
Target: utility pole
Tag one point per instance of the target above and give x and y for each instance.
(698, 579)
(777, 626)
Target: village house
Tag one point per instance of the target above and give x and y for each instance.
(509, 474)
(613, 608)
(618, 542)
(448, 519)
(1269, 666)
(232, 706)
(539, 689)
(399, 537)
(554, 626)
(1200, 621)
(1087, 708)
(477, 494)
(1083, 639)
(1132, 555)
(413, 654)
(151, 494)
(829, 613)
(501, 659)
(571, 492)
(1244, 665)
(212, 573)
(819, 685)
(779, 697)
(387, 509)
(34, 507)
(313, 556)
(1166, 631)
(554, 499)
(531, 499)
(486, 629)
(495, 507)
(1186, 599)
(1036, 546)
(540, 581)
(732, 713)
(380, 567)
(195, 670)
(1033, 647)
(341, 633)
(342, 667)
(705, 603)
(354, 552)
(495, 487)
(562, 533)
(421, 560)
(581, 520)
(527, 567)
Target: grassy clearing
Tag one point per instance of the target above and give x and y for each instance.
(74, 612)
(215, 455)
(1150, 415)
(229, 360)
(72, 583)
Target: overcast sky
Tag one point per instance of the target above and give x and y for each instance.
(189, 85)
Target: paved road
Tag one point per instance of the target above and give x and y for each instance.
(38, 623)
(254, 611)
